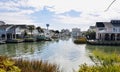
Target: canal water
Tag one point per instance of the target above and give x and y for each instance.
(62, 52)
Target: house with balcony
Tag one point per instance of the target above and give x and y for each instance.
(16, 31)
(10, 31)
(108, 31)
(3, 31)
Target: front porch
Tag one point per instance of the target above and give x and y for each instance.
(108, 36)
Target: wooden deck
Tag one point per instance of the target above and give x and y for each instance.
(14, 41)
(2, 42)
(97, 42)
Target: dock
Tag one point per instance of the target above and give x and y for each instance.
(98, 42)
(2, 42)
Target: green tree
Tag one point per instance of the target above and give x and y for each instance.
(57, 31)
(90, 35)
(40, 30)
(31, 28)
(25, 33)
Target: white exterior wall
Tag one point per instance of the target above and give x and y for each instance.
(47, 33)
(109, 29)
(2, 32)
(18, 30)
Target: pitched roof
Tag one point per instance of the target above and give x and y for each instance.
(115, 23)
(108, 24)
(100, 24)
(21, 26)
(4, 26)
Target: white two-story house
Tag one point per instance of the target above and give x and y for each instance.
(11, 31)
(108, 30)
(3, 31)
(16, 31)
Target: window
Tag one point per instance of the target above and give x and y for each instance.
(116, 30)
(113, 29)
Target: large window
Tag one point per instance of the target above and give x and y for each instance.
(114, 29)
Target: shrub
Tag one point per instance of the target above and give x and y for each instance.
(36, 66)
(8, 65)
(81, 40)
(107, 68)
(105, 62)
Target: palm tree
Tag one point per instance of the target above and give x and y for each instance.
(25, 33)
(31, 28)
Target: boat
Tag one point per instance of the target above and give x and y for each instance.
(40, 38)
(14, 40)
(29, 39)
(48, 39)
(97, 42)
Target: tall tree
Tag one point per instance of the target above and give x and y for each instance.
(25, 33)
(90, 35)
(40, 30)
(31, 28)
(57, 32)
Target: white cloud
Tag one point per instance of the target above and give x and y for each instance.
(15, 18)
(8, 5)
(26, 12)
(61, 6)
(91, 10)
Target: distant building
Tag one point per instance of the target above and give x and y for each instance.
(108, 30)
(47, 33)
(92, 28)
(65, 32)
(76, 32)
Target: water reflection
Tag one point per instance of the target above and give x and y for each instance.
(107, 49)
(14, 50)
(62, 52)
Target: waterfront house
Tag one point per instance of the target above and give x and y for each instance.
(16, 31)
(3, 31)
(54, 33)
(10, 31)
(108, 31)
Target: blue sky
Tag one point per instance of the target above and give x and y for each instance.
(60, 14)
